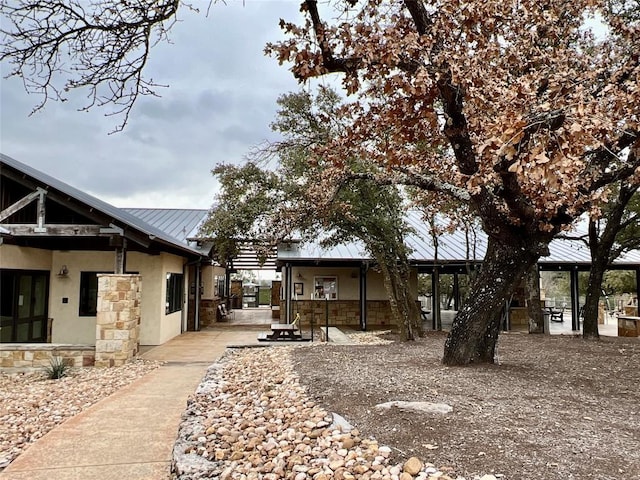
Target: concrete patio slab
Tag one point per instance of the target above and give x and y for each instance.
(129, 435)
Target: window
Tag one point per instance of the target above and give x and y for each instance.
(219, 286)
(175, 285)
(325, 287)
(88, 294)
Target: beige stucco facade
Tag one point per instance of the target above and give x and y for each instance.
(348, 279)
(64, 291)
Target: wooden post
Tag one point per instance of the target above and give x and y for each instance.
(534, 305)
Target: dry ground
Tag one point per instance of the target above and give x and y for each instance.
(552, 408)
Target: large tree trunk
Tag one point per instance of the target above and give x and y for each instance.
(534, 305)
(600, 250)
(592, 301)
(403, 307)
(474, 334)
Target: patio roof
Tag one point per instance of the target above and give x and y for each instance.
(451, 250)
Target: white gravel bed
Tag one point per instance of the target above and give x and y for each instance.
(251, 419)
(31, 405)
(370, 338)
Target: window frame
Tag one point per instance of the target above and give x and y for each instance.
(174, 293)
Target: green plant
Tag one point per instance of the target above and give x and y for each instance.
(57, 368)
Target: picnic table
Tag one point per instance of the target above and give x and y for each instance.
(281, 331)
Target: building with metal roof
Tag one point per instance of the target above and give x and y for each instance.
(56, 241)
(448, 249)
(346, 266)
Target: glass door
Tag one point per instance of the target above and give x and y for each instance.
(24, 306)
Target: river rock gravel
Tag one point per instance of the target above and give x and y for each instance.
(251, 419)
(552, 408)
(31, 405)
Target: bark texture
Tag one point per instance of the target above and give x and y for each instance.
(534, 305)
(403, 307)
(474, 333)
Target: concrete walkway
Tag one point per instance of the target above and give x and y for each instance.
(130, 434)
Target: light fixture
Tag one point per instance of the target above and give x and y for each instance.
(300, 276)
(64, 271)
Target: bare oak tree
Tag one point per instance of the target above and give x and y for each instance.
(99, 46)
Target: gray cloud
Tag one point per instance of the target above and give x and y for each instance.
(219, 104)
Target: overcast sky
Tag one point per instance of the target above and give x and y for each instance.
(219, 104)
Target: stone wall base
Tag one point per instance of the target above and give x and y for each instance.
(17, 357)
(117, 319)
(208, 312)
(341, 312)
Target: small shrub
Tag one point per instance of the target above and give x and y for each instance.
(57, 368)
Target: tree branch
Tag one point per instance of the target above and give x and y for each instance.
(58, 46)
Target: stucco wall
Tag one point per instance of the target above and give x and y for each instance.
(170, 325)
(348, 282)
(24, 258)
(68, 326)
(64, 292)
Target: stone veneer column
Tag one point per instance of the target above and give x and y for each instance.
(117, 319)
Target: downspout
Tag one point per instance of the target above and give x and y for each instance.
(196, 318)
(185, 298)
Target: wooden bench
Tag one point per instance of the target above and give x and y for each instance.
(628, 326)
(281, 331)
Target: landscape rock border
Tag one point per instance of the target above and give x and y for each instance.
(250, 418)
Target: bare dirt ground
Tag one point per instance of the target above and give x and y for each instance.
(551, 408)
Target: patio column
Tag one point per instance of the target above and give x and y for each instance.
(363, 297)
(287, 295)
(575, 300)
(456, 292)
(117, 319)
(435, 301)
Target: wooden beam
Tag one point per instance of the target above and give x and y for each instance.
(53, 230)
(41, 211)
(19, 205)
(72, 204)
(121, 258)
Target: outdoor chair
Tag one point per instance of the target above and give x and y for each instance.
(224, 313)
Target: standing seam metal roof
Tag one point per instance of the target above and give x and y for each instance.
(452, 248)
(180, 224)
